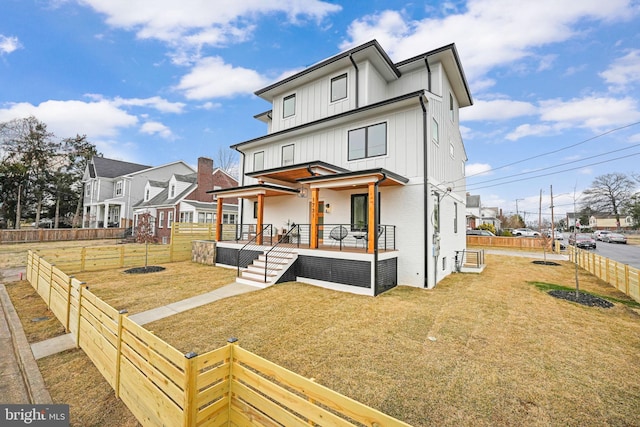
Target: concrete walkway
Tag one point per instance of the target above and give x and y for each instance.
(66, 342)
(537, 255)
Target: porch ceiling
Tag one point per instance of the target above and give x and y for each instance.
(252, 191)
(358, 179)
(294, 173)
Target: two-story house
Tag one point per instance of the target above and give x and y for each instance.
(361, 173)
(184, 198)
(477, 214)
(113, 187)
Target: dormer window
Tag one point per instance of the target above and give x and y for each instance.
(289, 106)
(146, 195)
(172, 191)
(338, 88)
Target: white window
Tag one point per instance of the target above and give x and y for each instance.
(287, 155)
(200, 216)
(87, 189)
(435, 134)
(119, 188)
(338, 88)
(216, 187)
(370, 141)
(146, 195)
(452, 113)
(170, 219)
(258, 161)
(452, 151)
(209, 218)
(161, 220)
(172, 191)
(186, 216)
(289, 106)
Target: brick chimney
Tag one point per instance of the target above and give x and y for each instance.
(205, 179)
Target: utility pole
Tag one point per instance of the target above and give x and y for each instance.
(18, 208)
(540, 213)
(553, 224)
(517, 211)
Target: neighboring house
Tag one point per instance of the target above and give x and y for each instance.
(112, 187)
(366, 158)
(184, 198)
(604, 221)
(476, 214)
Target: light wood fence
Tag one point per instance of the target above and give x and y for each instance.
(56, 234)
(229, 386)
(621, 276)
(508, 242)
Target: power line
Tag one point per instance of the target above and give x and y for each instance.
(555, 151)
(557, 172)
(556, 166)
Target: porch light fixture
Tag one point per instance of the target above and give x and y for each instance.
(303, 193)
(327, 208)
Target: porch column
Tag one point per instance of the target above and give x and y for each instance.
(315, 197)
(105, 221)
(219, 219)
(372, 232)
(260, 218)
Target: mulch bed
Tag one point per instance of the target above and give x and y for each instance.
(545, 263)
(143, 270)
(582, 298)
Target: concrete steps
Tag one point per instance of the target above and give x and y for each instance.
(276, 266)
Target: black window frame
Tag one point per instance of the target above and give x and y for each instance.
(365, 225)
(284, 103)
(366, 142)
(336, 79)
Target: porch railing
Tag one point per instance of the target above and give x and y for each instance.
(355, 236)
(246, 254)
(283, 248)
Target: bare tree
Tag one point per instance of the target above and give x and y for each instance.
(609, 193)
(227, 160)
(145, 233)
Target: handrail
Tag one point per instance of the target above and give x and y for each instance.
(281, 250)
(252, 245)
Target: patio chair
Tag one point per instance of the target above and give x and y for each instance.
(337, 234)
(380, 231)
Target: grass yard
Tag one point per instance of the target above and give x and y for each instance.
(479, 350)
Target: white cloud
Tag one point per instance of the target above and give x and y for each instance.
(529, 130)
(212, 78)
(498, 109)
(194, 23)
(154, 102)
(8, 44)
(477, 169)
(593, 112)
(68, 118)
(624, 70)
(523, 28)
(156, 128)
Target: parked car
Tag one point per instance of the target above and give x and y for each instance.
(479, 233)
(582, 240)
(614, 238)
(558, 235)
(524, 232)
(599, 234)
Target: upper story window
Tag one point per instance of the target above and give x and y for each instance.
(287, 155)
(170, 219)
(172, 191)
(339, 87)
(161, 220)
(87, 189)
(370, 141)
(119, 188)
(258, 161)
(452, 151)
(451, 108)
(435, 133)
(146, 195)
(289, 106)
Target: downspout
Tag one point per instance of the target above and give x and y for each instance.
(241, 200)
(357, 80)
(425, 186)
(426, 62)
(376, 203)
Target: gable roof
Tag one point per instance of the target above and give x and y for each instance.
(372, 51)
(110, 168)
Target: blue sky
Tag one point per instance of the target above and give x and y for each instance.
(154, 81)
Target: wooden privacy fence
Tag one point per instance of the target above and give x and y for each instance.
(507, 242)
(49, 235)
(621, 276)
(229, 386)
